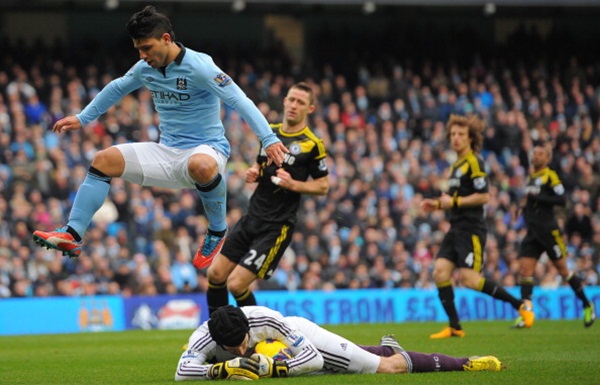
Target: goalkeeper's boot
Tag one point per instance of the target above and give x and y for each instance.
(589, 315)
(519, 323)
(390, 341)
(487, 363)
(210, 248)
(448, 332)
(59, 239)
(526, 312)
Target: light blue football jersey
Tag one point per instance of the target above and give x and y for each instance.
(187, 95)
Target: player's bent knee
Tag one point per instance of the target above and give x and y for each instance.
(109, 161)
(236, 289)
(202, 168)
(215, 275)
(440, 276)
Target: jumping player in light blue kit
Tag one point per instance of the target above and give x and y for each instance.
(187, 88)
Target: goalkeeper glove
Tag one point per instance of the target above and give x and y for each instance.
(240, 368)
(268, 367)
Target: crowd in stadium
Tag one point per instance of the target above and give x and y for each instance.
(384, 129)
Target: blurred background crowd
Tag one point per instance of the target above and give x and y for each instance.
(383, 123)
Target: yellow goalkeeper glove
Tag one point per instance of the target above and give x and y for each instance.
(268, 367)
(240, 368)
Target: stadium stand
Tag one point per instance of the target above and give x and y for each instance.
(383, 125)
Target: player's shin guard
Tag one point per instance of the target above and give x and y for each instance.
(216, 296)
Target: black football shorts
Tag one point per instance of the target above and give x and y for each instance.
(257, 245)
(464, 248)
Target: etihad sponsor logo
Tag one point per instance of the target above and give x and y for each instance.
(168, 97)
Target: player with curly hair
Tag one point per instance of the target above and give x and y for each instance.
(463, 246)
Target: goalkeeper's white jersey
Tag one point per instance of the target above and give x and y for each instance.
(314, 349)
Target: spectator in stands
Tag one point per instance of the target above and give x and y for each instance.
(403, 153)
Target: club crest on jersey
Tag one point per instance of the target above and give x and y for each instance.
(223, 79)
(181, 83)
(295, 149)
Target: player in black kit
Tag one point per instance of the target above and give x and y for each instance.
(544, 190)
(463, 246)
(256, 243)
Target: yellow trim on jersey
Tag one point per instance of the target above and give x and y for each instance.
(546, 174)
(309, 134)
(464, 168)
(306, 146)
(469, 161)
(444, 284)
(273, 251)
(560, 243)
(477, 253)
(473, 161)
(554, 179)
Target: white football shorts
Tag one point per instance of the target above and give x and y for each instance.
(157, 165)
(340, 355)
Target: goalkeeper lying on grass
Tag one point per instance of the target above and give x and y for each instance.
(223, 348)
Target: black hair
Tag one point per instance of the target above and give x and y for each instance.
(149, 23)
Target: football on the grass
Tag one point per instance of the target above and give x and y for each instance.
(274, 349)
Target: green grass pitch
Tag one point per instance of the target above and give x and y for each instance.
(552, 352)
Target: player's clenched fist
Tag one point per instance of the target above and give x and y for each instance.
(269, 367)
(240, 368)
